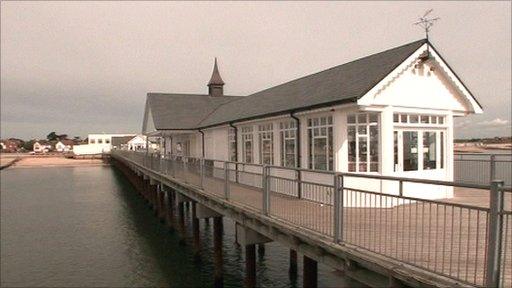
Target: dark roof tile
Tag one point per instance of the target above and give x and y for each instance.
(343, 83)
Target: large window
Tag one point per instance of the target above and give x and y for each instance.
(247, 144)
(363, 142)
(420, 149)
(266, 137)
(320, 143)
(288, 144)
(232, 144)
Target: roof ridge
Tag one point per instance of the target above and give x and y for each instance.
(190, 94)
(424, 40)
(340, 65)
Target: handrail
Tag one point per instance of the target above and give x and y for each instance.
(350, 174)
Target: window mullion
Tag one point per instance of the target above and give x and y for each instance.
(367, 147)
(357, 148)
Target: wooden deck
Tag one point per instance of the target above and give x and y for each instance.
(446, 239)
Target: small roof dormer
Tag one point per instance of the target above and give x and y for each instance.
(216, 85)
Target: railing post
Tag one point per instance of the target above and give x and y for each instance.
(400, 188)
(265, 187)
(226, 181)
(201, 171)
(338, 208)
(495, 234)
(492, 164)
(299, 184)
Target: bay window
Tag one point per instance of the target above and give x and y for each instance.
(266, 137)
(363, 142)
(320, 143)
(247, 146)
(288, 144)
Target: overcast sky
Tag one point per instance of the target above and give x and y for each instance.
(85, 67)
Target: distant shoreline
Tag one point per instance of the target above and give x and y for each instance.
(16, 161)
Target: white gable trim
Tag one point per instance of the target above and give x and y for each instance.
(367, 99)
(148, 125)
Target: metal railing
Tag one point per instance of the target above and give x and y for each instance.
(478, 168)
(457, 237)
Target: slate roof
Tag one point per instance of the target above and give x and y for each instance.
(118, 140)
(183, 111)
(340, 84)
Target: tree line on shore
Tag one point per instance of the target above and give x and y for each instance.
(20, 145)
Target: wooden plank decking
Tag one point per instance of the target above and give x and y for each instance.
(442, 238)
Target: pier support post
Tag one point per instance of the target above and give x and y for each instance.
(250, 265)
(161, 204)
(170, 209)
(153, 197)
(145, 189)
(218, 280)
(293, 263)
(195, 231)
(394, 283)
(250, 238)
(181, 219)
(310, 274)
(261, 250)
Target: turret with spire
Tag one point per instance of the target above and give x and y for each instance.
(216, 85)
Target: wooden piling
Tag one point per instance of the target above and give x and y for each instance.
(310, 274)
(218, 280)
(293, 263)
(195, 231)
(250, 265)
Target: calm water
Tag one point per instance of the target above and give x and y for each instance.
(86, 226)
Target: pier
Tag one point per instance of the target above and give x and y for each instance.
(380, 239)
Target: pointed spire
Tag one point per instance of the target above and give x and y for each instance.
(215, 86)
(216, 79)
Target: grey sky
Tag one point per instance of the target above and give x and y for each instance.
(85, 67)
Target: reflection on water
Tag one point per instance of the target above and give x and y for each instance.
(86, 226)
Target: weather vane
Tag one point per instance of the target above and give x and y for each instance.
(427, 23)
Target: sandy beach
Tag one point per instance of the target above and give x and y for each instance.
(30, 161)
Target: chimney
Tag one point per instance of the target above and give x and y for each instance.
(216, 85)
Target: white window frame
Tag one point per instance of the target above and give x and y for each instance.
(247, 137)
(266, 134)
(367, 125)
(288, 132)
(405, 119)
(440, 145)
(315, 124)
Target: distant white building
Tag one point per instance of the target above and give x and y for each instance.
(65, 145)
(137, 143)
(97, 144)
(42, 146)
